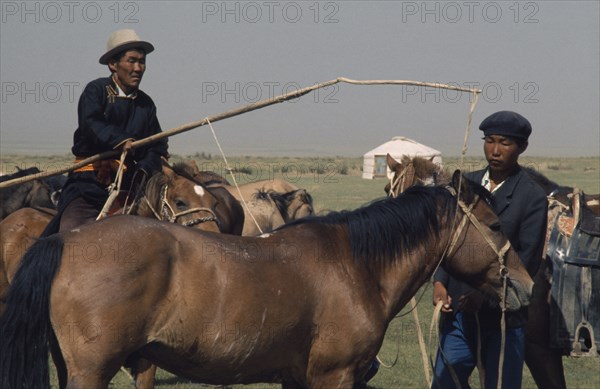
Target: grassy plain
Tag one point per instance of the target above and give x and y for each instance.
(335, 184)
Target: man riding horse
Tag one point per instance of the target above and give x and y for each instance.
(112, 113)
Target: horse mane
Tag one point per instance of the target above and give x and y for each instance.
(185, 171)
(152, 192)
(548, 185)
(204, 178)
(20, 173)
(381, 231)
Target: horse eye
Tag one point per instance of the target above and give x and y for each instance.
(495, 226)
(180, 204)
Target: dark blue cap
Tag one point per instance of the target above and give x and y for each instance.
(506, 123)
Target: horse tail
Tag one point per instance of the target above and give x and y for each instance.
(25, 325)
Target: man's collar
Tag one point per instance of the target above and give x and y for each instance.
(120, 92)
(487, 184)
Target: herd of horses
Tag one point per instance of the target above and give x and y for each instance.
(257, 290)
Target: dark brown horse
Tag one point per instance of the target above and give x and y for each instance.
(544, 362)
(307, 306)
(561, 193)
(36, 193)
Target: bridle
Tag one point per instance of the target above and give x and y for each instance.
(398, 181)
(167, 213)
(468, 216)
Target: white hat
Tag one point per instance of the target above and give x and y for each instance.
(122, 40)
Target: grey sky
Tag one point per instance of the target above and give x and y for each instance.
(540, 58)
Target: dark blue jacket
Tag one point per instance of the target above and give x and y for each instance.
(521, 206)
(106, 120)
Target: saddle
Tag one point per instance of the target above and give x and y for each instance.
(574, 252)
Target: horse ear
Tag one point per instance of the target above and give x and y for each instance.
(193, 166)
(392, 163)
(168, 170)
(461, 185)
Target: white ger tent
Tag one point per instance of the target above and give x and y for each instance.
(374, 163)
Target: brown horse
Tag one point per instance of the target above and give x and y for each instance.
(267, 209)
(307, 306)
(268, 203)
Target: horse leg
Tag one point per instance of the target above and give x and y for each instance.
(286, 384)
(143, 373)
(87, 382)
(90, 373)
(342, 378)
(544, 363)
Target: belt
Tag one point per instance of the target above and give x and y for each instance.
(109, 164)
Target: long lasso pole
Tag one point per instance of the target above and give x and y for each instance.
(228, 114)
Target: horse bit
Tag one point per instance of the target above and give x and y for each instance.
(169, 214)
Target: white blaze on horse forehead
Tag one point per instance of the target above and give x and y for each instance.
(429, 181)
(199, 190)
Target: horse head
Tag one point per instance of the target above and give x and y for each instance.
(292, 205)
(177, 198)
(412, 171)
(479, 253)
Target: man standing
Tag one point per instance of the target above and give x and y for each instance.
(112, 113)
(521, 207)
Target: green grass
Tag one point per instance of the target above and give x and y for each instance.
(332, 190)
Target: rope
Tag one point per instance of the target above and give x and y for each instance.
(422, 346)
(230, 171)
(502, 334)
(114, 188)
(228, 114)
(480, 366)
(434, 334)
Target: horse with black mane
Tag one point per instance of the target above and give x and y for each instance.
(307, 305)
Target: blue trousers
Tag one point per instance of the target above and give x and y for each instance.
(458, 340)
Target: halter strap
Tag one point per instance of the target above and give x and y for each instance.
(168, 213)
(467, 214)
